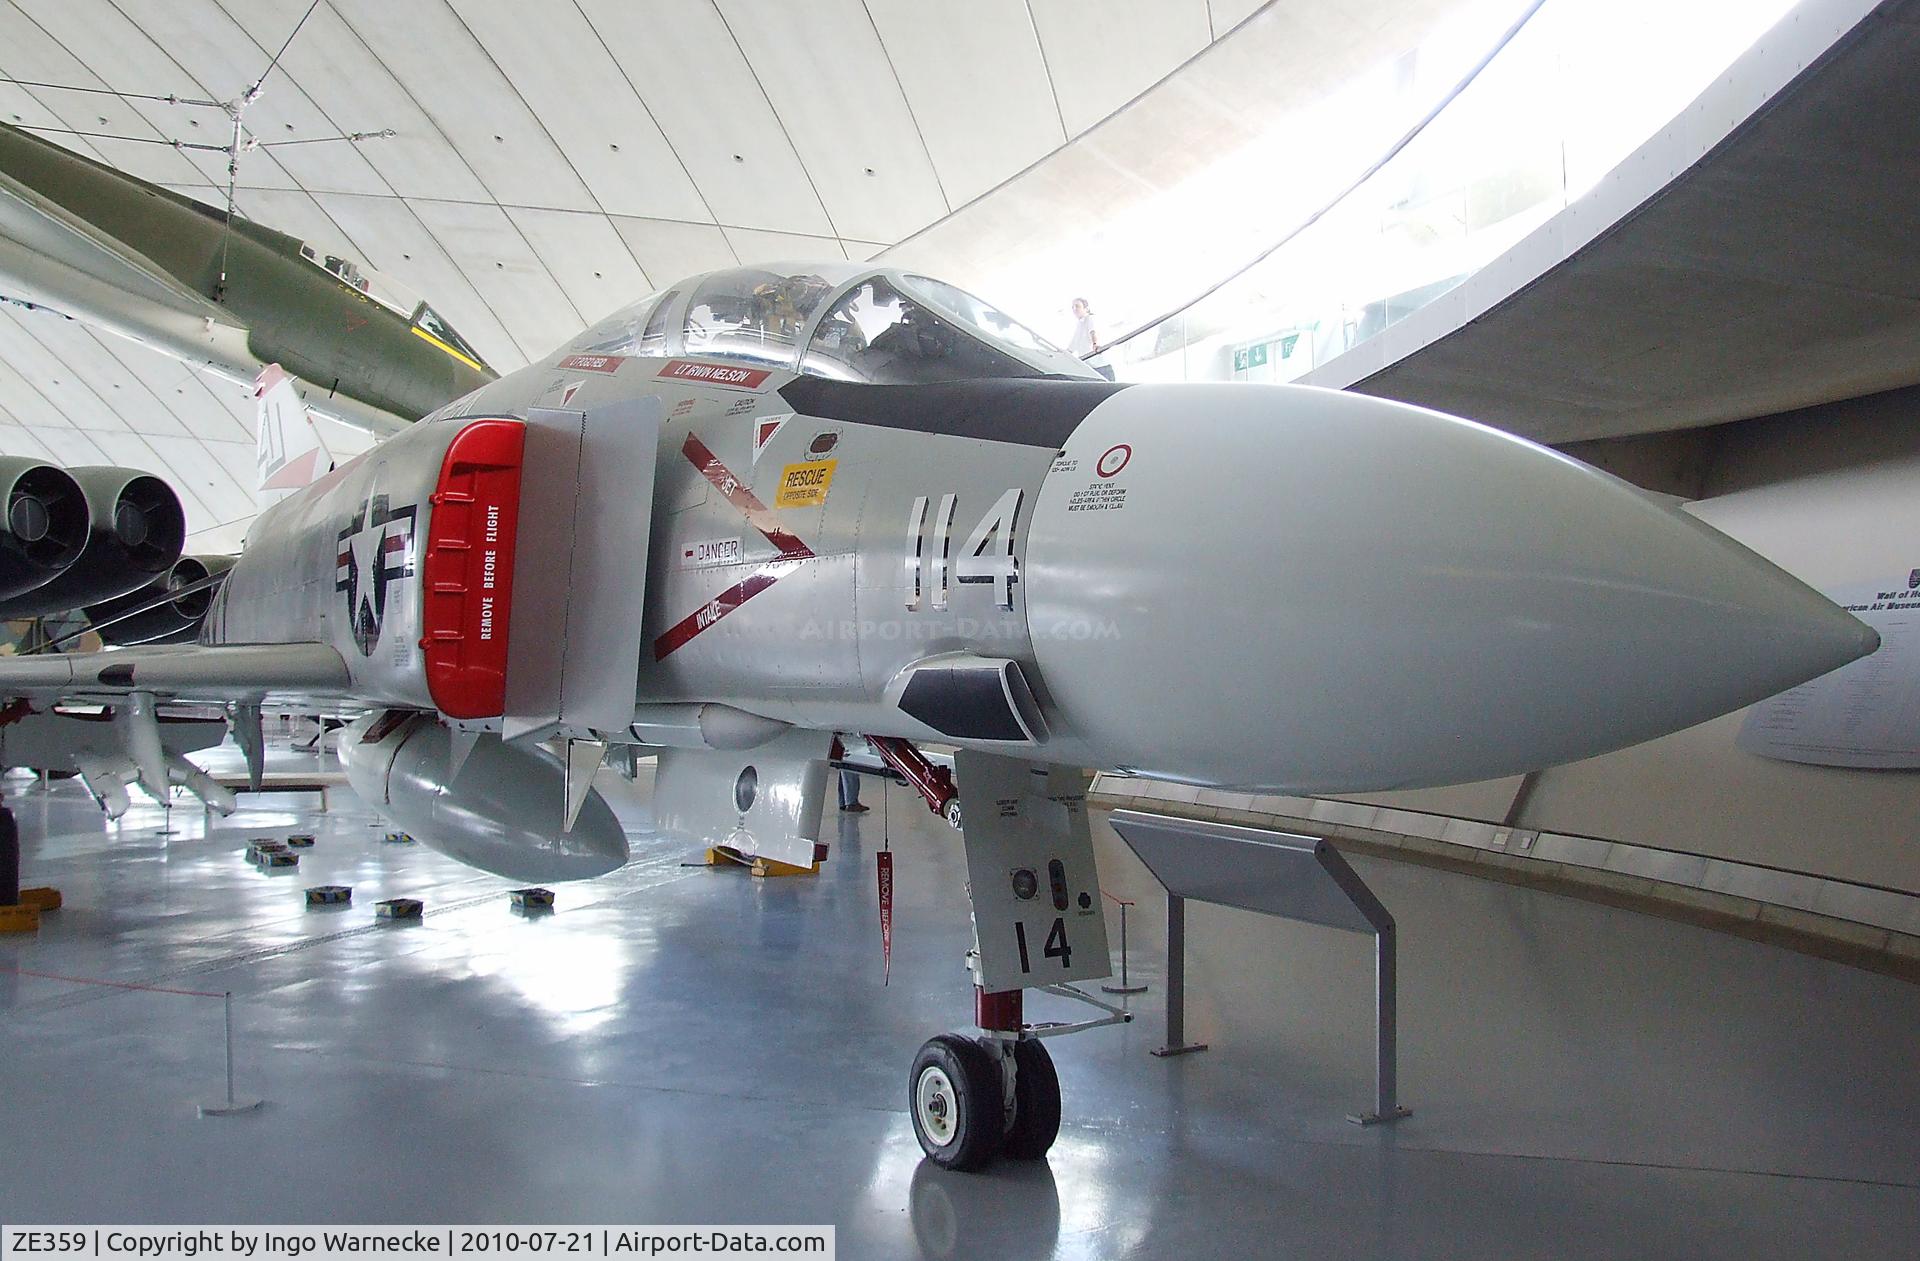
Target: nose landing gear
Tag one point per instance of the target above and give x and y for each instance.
(975, 1099)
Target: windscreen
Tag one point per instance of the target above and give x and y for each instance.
(876, 333)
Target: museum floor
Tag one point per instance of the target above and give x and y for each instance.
(677, 1044)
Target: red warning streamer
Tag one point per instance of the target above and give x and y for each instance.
(885, 858)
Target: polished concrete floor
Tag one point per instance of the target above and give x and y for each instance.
(682, 1045)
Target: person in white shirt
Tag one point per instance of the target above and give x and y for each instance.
(1085, 340)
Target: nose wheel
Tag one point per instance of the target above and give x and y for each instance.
(958, 1096)
(957, 1103)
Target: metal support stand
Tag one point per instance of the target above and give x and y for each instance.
(1295, 877)
(232, 1106)
(1177, 1043)
(1386, 1046)
(1125, 986)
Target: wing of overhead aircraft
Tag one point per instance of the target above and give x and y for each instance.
(59, 260)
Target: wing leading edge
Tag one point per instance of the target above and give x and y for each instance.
(227, 672)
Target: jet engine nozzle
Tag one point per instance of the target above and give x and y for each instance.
(1305, 590)
(168, 610)
(500, 811)
(136, 533)
(45, 525)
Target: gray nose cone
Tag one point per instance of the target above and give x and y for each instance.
(1318, 591)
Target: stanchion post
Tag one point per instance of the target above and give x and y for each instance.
(1126, 985)
(232, 1106)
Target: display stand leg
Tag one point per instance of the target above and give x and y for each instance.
(1177, 1043)
(1386, 1052)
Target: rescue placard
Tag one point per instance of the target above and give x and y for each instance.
(805, 485)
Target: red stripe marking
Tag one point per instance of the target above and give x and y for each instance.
(758, 515)
(792, 550)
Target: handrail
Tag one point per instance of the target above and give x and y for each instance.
(1393, 151)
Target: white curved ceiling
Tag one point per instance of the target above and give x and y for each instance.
(552, 161)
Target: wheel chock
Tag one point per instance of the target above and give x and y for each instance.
(259, 847)
(727, 856)
(42, 899)
(329, 895)
(398, 838)
(19, 919)
(531, 899)
(399, 909)
(277, 860)
(764, 867)
(300, 840)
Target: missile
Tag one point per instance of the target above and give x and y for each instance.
(1314, 591)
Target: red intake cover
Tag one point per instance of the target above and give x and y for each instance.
(467, 577)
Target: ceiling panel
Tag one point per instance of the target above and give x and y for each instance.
(17, 439)
(51, 380)
(836, 94)
(70, 447)
(28, 51)
(199, 400)
(671, 251)
(124, 57)
(427, 48)
(1228, 14)
(297, 214)
(1103, 53)
(572, 84)
(683, 60)
(197, 470)
(977, 85)
(341, 75)
(587, 258)
(75, 347)
(772, 247)
(510, 277)
(23, 402)
(220, 56)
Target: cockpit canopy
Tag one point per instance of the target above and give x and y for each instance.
(426, 323)
(838, 320)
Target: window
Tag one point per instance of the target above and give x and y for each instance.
(875, 333)
(637, 329)
(749, 313)
(438, 331)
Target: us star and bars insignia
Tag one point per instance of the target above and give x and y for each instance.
(375, 549)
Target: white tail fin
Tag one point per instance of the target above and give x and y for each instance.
(288, 447)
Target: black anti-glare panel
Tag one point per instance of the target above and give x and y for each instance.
(1037, 412)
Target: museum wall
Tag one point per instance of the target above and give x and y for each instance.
(1831, 494)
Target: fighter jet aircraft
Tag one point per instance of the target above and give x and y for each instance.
(222, 293)
(769, 508)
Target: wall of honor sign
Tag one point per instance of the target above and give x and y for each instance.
(1866, 714)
